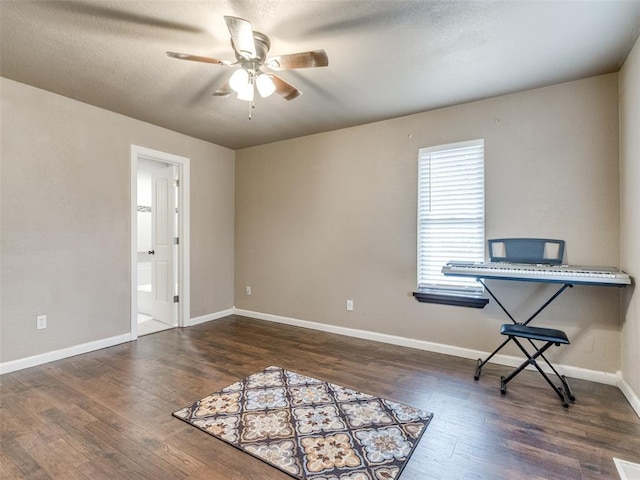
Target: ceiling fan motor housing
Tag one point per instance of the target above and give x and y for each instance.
(262, 46)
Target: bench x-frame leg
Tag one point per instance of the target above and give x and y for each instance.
(481, 363)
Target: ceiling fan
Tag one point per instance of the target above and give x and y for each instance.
(256, 69)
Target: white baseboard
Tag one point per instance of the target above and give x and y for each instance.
(629, 394)
(366, 335)
(209, 317)
(569, 371)
(35, 360)
(40, 359)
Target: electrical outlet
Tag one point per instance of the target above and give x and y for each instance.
(247, 290)
(350, 305)
(41, 322)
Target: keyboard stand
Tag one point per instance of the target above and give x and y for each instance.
(481, 363)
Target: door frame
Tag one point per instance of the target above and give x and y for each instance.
(184, 265)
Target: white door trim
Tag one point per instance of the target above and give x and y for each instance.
(184, 289)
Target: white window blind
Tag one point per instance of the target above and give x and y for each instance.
(450, 212)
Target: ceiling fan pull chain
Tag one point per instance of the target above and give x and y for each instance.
(250, 108)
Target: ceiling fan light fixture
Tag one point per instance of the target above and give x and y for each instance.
(246, 93)
(265, 85)
(239, 80)
(251, 49)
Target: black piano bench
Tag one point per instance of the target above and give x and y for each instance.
(550, 337)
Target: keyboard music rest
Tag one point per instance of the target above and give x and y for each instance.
(572, 274)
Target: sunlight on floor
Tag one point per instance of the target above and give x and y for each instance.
(147, 325)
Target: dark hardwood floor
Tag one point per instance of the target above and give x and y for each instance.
(107, 414)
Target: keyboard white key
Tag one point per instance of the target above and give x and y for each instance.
(540, 273)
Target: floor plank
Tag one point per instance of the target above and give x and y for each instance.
(107, 414)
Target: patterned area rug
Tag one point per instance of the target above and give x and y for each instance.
(310, 429)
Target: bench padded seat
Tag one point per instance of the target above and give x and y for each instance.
(534, 333)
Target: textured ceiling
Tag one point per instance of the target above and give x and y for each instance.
(387, 58)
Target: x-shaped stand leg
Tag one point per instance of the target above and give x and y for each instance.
(480, 363)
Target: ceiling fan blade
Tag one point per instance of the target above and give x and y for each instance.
(196, 58)
(315, 58)
(284, 89)
(241, 36)
(223, 91)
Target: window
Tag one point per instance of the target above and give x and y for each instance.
(450, 215)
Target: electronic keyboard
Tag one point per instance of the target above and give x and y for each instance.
(568, 274)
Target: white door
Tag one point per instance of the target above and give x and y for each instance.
(163, 234)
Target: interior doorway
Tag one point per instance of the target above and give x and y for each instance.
(159, 247)
(157, 253)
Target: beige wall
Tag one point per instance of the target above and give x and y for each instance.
(332, 217)
(321, 219)
(630, 214)
(65, 220)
